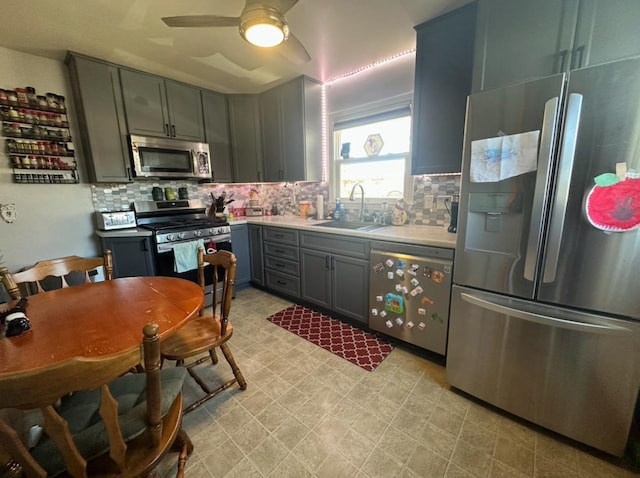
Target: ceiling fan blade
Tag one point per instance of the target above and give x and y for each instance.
(284, 5)
(201, 21)
(294, 50)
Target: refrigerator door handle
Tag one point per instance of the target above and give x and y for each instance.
(565, 171)
(543, 179)
(557, 322)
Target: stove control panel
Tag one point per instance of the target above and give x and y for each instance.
(193, 234)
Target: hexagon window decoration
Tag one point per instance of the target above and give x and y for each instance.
(373, 145)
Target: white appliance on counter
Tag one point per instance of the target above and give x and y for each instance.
(545, 310)
(110, 220)
(409, 292)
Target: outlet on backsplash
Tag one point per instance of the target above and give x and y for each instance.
(428, 202)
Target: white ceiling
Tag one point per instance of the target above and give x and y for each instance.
(340, 36)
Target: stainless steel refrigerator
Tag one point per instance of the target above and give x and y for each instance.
(545, 307)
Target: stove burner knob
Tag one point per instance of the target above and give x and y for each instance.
(181, 235)
(212, 231)
(170, 237)
(197, 233)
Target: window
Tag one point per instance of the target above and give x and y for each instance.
(374, 150)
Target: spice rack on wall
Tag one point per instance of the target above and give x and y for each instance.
(38, 138)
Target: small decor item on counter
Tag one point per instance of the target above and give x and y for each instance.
(183, 193)
(399, 215)
(156, 194)
(320, 206)
(16, 319)
(169, 194)
(336, 211)
(304, 209)
(219, 203)
(254, 199)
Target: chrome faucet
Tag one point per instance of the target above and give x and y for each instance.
(351, 198)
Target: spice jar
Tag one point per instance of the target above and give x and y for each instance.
(42, 101)
(52, 101)
(12, 97)
(23, 99)
(3, 97)
(32, 98)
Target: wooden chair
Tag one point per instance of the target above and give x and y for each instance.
(108, 426)
(204, 334)
(17, 284)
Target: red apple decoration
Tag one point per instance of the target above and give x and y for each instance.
(613, 205)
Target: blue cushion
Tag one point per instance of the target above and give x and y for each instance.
(82, 412)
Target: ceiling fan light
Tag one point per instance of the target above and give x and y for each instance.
(264, 35)
(263, 26)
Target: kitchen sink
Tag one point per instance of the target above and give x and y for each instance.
(356, 226)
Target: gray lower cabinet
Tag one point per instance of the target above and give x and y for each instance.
(103, 132)
(520, 40)
(216, 129)
(244, 123)
(242, 251)
(132, 256)
(335, 273)
(444, 66)
(281, 261)
(256, 258)
(159, 107)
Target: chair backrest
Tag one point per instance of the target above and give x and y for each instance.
(17, 283)
(73, 428)
(223, 269)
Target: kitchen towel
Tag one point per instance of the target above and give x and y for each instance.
(186, 255)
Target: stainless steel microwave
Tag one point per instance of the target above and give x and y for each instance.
(169, 158)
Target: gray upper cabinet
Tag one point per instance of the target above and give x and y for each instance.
(291, 131)
(159, 107)
(103, 132)
(216, 128)
(244, 122)
(444, 65)
(520, 40)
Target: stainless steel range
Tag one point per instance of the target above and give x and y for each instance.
(179, 222)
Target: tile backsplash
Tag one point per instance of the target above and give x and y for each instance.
(426, 208)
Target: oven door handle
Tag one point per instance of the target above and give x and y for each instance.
(168, 247)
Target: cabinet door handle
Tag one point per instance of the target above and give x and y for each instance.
(166, 129)
(259, 176)
(279, 251)
(327, 262)
(562, 58)
(579, 53)
(281, 282)
(144, 246)
(173, 130)
(278, 264)
(278, 235)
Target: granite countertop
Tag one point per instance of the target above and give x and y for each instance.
(408, 234)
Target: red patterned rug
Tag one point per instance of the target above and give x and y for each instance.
(357, 346)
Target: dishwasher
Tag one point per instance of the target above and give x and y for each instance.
(409, 293)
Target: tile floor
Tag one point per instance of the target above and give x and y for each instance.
(308, 413)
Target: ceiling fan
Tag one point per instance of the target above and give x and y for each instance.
(261, 23)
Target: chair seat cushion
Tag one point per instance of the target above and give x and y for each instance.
(81, 410)
(196, 336)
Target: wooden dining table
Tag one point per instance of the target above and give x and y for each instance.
(97, 319)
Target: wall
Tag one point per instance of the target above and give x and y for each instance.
(53, 220)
